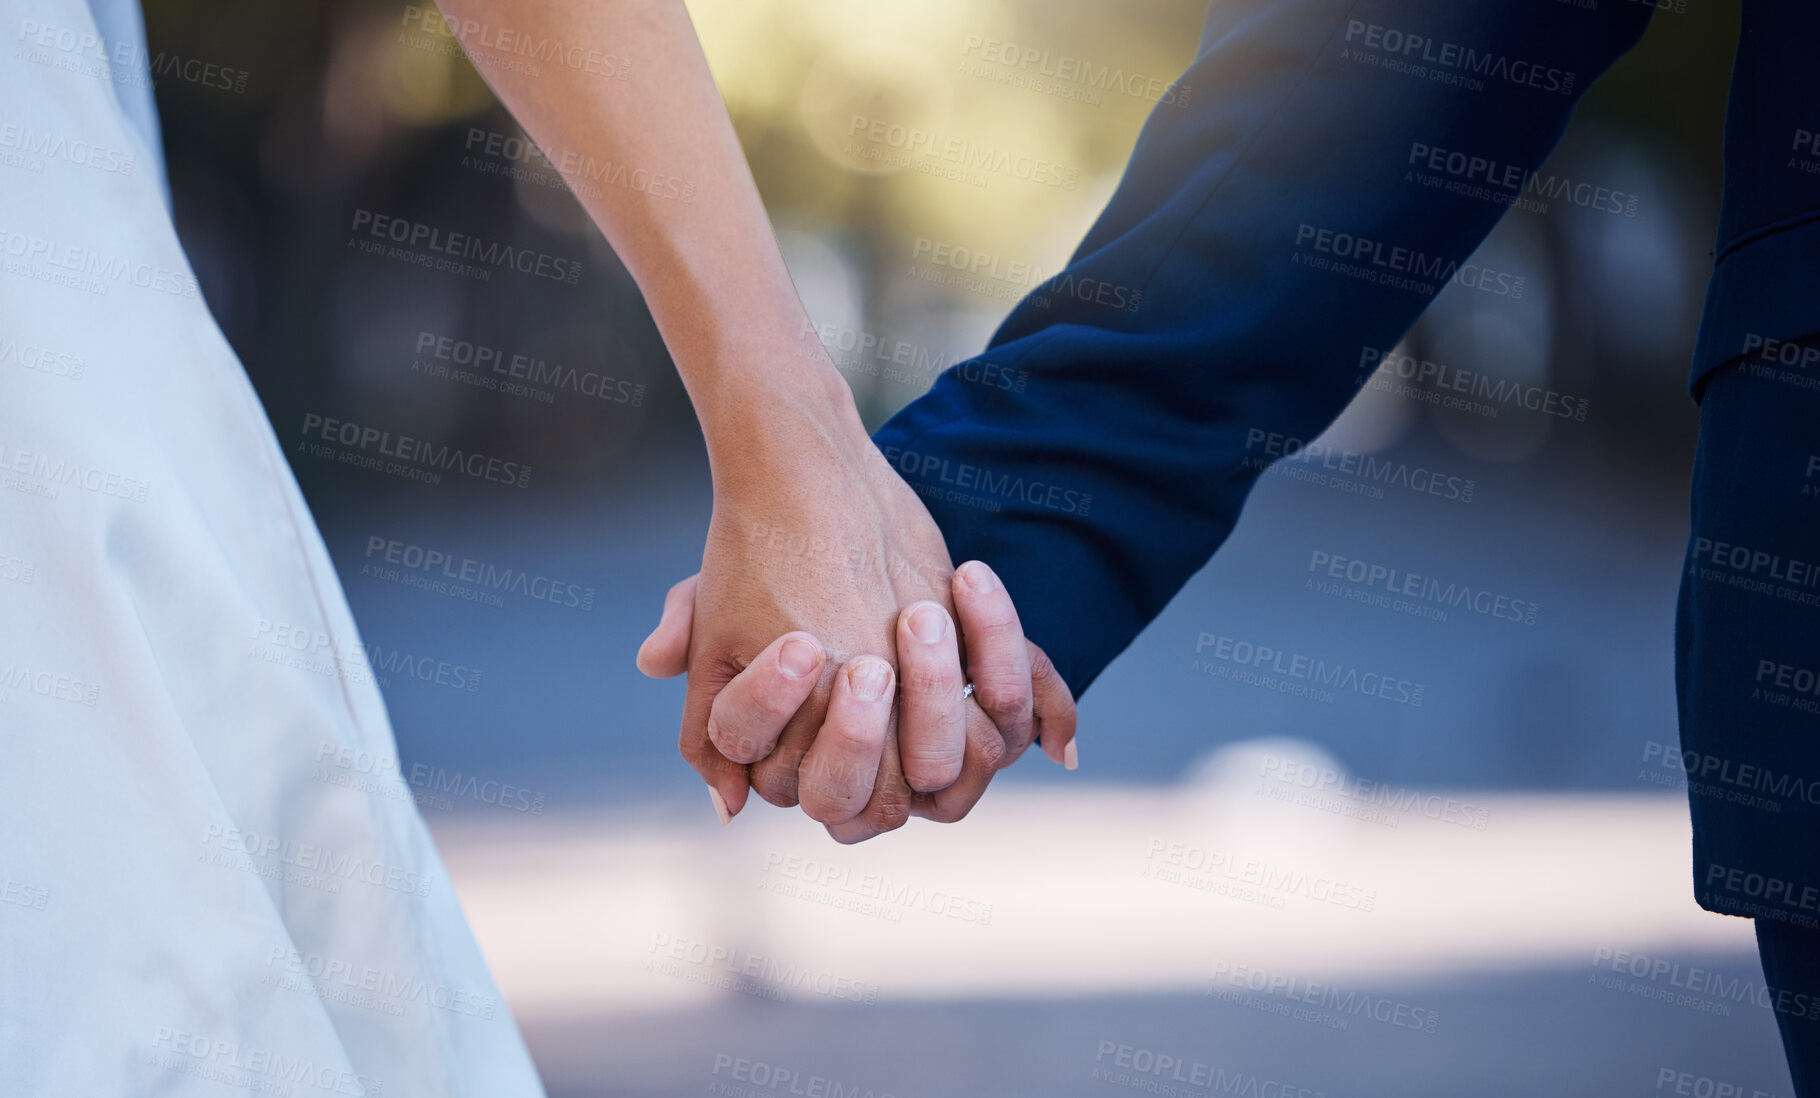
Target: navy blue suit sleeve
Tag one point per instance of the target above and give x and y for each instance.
(1334, 167)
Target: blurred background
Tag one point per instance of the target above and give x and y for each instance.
(1239, 886)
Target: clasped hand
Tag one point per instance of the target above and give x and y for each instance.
(820, 640)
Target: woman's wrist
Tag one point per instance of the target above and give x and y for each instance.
(783, 412)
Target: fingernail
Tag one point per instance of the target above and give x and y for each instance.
(868, 679)
(1070, 757)
(927, 623)
(978, 578)
(798, 658)
(720, 806)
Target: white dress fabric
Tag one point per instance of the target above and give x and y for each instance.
(192, 899)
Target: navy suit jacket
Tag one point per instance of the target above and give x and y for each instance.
(1337, 164)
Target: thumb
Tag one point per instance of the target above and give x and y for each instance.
(665, 653)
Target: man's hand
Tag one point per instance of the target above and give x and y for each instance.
(1018, 699)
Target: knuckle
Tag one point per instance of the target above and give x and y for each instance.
(776, 785)
(1001, 696)
(705, 760)
(849, 738)
(932, 779)
(1013, 737)
(1042, 668)
(888, 814)
(832, 773)
(931, 760)
(1059, 718)
(844, 794)
(923, 715)
(827, 811)
(996, 631)
(734, 744)
(774, 697)
(849, 836)
(949, 810)
(696, 754)
(929, 682)
(992, 751)
(1053, 699)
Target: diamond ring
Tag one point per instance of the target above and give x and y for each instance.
(966, 691)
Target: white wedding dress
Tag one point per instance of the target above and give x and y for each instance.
(191, 903)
